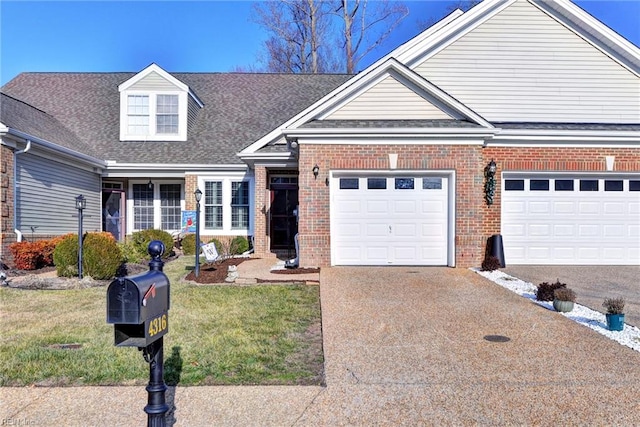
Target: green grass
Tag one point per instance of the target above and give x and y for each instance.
(263, 334)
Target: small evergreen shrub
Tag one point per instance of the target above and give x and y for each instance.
(239, 245)
(220, 247)
(564, 294)
(101, 256)
(189, 244)
(65, 256)
(130, 253)
(614, 305)
(490, 263)
(545, 290)
(141, 239)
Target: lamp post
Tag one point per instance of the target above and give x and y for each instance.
(81, 204)
(198, 195)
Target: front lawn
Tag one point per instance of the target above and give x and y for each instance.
(262, 334)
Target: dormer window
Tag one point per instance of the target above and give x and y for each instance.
(155, 106)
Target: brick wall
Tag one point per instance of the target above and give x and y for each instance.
(7, 236)
(314, 227)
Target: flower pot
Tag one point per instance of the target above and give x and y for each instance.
(562, 306)
(615, 322)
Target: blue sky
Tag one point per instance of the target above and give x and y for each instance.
(183, 36)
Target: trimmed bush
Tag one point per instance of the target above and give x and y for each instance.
(546, 290)
(490, 263)
(130, 253)
(33, 255)
(101, 256)
(141, 239)
(238, 245)
(189, 244)
(65, 256)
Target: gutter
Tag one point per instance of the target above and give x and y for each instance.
(15, 189)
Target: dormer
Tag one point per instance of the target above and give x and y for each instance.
(155, 106)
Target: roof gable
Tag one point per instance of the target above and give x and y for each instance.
(153, 78)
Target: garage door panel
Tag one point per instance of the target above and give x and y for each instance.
(581, 227)
(394, 226)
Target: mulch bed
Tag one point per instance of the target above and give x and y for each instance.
(217, 273)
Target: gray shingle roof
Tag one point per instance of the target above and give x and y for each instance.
(239, 108)
(34, 122)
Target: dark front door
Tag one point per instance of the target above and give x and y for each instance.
(284, 222)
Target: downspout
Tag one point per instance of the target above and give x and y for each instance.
(15, 189)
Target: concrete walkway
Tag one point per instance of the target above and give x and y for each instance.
(403, 346)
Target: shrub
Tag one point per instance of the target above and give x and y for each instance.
(65, 256)
(130, 253)
(614, 305)
(239, 245)
(189, 244)
(545, 290)
(33, 255)
(141, 239)
(490, 263)
(101, 256)
(565, 294)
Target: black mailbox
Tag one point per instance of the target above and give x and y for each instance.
(138, 306)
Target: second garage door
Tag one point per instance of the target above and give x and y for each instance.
(565, 219)
(400, 220)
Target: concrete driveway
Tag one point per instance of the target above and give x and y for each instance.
(591, 283)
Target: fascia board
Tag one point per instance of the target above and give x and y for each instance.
(266, 156)
(153, 68)
(593, 31)
(113, 165)
(387, 132)
(55, 148)
(3, 128)
(420, 140)
(562, 137)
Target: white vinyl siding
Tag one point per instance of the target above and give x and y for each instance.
(152, 82)
(522, 65)
(389, 99)
(45, 196)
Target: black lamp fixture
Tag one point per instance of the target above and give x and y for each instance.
(316, 171)
(81, 204)
(490, 182)
(198, 195)
(150, 185)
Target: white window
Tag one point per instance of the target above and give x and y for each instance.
(213, 205)
(156, 205)
(138, 114)
(153, 116)
(240, 204)
(167, 114)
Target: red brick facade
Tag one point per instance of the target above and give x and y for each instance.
(7, 235)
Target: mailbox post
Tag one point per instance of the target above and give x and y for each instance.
(138, 306)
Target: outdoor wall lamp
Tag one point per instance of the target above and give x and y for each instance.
(490, 182)
(150, 185)
(316, 171)
(198, 195)
(81, 204)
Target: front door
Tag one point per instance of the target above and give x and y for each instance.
(283, 212)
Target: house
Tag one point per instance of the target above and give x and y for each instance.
(518, 117)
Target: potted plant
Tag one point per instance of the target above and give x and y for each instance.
(615, 313)
(563, 299)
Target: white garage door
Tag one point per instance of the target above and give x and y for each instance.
(571, 220)
(389, 220)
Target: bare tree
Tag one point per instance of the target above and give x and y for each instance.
(366, 26)
(463, 5)
(302, 33)
(298, 41)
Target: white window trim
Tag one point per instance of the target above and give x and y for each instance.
(153, 104)
(226, 229)
(157, 205)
